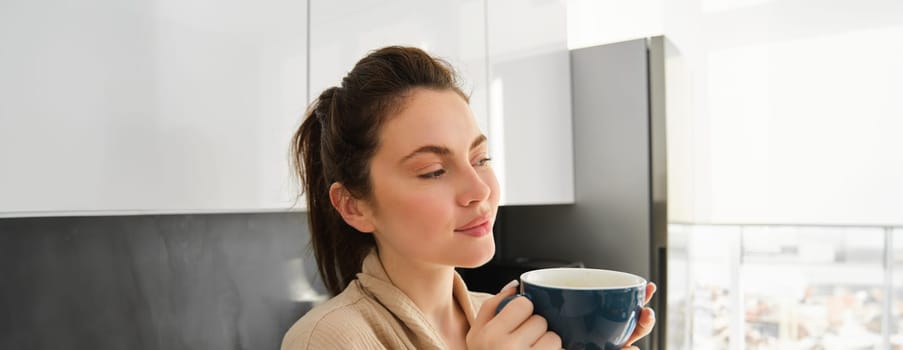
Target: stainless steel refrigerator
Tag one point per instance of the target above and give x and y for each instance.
(619, 218)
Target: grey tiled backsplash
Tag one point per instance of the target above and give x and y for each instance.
(219, 281)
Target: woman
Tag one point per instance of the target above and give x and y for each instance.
(399, 193)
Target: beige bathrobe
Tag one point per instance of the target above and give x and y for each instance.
(371, 313)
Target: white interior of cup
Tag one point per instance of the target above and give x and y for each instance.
(581, 278)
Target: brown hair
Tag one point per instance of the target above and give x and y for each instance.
(339, 136)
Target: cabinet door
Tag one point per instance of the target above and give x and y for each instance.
(530, 101)
(139, 107)
(344, 31)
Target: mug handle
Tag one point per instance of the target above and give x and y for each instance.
(508, 299)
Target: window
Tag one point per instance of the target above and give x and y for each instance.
(794, 287)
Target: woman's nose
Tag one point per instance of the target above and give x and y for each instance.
(474, 188)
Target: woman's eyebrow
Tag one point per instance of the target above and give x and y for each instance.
(441, 150)
(438, 150)
(478, 141)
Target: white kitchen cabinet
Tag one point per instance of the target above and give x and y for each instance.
(516, 70)
(188, 106)
(344, 31)
(114, 107)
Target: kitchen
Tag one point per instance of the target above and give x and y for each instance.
(146, 200)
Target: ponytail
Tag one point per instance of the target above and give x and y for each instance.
(338, 248)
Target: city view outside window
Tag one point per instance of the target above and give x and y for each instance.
(785, 287)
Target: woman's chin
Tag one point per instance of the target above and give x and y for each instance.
(479, 258)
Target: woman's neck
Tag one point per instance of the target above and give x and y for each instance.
(431, 290)
(429, 287)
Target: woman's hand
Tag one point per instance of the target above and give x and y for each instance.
(515, 327)
(646, 322)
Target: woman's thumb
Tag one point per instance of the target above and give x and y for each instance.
(487, 310)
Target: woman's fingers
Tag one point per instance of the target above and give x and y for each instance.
(512, 315)
(531, 330)
(512, 327)
(643, 328)
(646, 322)
(549, 340)
(650, 291)
(487, 311)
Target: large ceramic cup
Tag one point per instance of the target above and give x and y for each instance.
(587, 308)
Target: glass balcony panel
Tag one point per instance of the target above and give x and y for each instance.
(895, 321)
(813, 287)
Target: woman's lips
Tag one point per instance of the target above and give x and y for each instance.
(478, 230)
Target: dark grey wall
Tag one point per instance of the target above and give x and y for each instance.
(151, 282)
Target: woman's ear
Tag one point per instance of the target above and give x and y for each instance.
(352, 210)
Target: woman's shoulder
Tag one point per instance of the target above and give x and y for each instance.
(340, 322)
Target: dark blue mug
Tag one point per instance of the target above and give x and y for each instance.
(587, 308)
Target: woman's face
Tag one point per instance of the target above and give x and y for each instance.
(435, 195)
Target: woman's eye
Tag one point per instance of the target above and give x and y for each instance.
(483, 161)
(432, 175)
